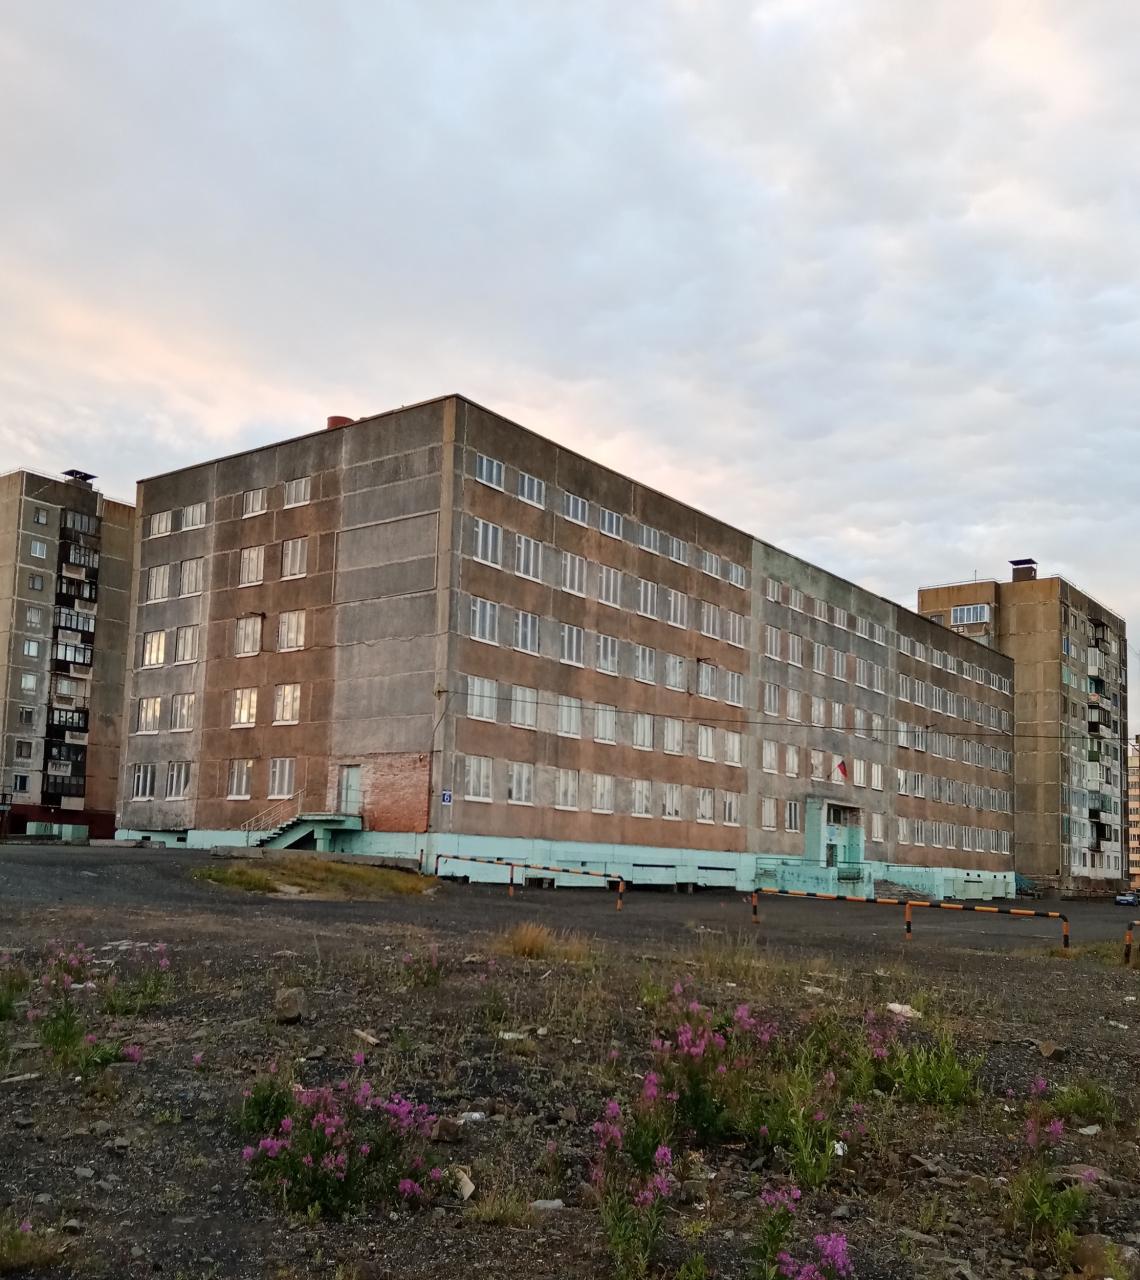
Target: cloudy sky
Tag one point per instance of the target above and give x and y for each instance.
(858, 275)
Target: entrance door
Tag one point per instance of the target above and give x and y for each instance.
(349, 797)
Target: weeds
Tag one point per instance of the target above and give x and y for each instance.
(14, 984)
(1046, 1212)
(532, 941)
(932, 1074)
(424, 970)
(501, 1205)
(22, 1247)
(1085, 1100)
(318, 876)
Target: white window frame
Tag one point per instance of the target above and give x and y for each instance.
(290, 630)
(524, 707)
(531, 490)
(526, 628)
(603, 793)
(641, 731)
(528, 557)
(644, 664)
(489, 471)
(254, 502)
(239, 782)
(571, 644)
(297, 492)
(251, 566)
(575, 509)
(244, 708)
(149, 715)
(158, 582)
(487, 542)
(247, 635)
(294, 557)
(706, 680)
(484, 620)
(194, 516)
(605, 723)
(566, 789)
(672, 736)
(609, 655)
(706, 805)
(569, 716)
(676, 676)
(610, 523)
(520, 782)
(478, 779)
(158, 525)
(182, 712)
(646, 598)
(142, 781)
(573, 573)
(282, 775)
(609, 585)
(178, 779)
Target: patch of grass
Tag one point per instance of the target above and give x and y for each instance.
(726, 958)
(932, 1074)
(1049, 1214)
(693, 1268)
(501, 1205)
(317, 876)
(1106, 953)
(14, 984)
(23, 1250)
(1085, 1100)
(533, 941)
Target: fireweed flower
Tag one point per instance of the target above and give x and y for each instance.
(197, 1060)
(663, 1157)
(358, 1059)
(1055, 1130)
(436, 1174)
(25, 1226)
(1038, 1087)
(132, 1053)
(409, 1189)
(832, 1251)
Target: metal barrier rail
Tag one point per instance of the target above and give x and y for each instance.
(1128, 941)
(909, 903)
(532, 866)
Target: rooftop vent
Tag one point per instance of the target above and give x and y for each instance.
(1024, 570)
(81, 477)
(338, 420)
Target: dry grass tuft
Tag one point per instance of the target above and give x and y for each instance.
(23, 1251)
(317, 877)
(533, 941)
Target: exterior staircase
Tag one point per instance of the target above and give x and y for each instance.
(284, 825)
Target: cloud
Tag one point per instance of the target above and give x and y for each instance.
(860, 278)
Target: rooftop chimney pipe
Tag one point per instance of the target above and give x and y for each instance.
(338, 420)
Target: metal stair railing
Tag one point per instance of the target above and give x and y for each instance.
(278, 815)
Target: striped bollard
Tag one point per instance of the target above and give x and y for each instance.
(906, 917)
(755, 907)
(621, 894)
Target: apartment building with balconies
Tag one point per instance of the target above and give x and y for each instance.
(435, 633)
(1070, 657)
(64, 617)
(1134, 814)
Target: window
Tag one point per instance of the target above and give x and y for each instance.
(821, 610)
(31, 648)
(771, 699)
(796, 599)
(642, 798)
(27, 715)
(39, 515)
(253, 502)
(710, 564)
(142, 782)
(964, 615)
(287, 703)
(862, 673)
(839, 617)
(676, 608)
(526, 632)
(569, 716)
(39, 549)
(158, 525)
(296, 495)
(643, 731)
(610, 523)
(649, 539)
(770, 756)
(772, 590)
(647, 598)
(734, 688)
(706, 680)
(484, 620)
(154, 648)
(281, 771)
(245, 707)
(182, 712)
(818, 712)
(294, 557)
(240, 779)
(603, 793)
(876, 777)
(186, 644)
(838, 664)
(149, 715)
(795, 650)
(608, 655)
(247, 636)
(20, 782)
(158, 582)
(251, 566)
(733, 747)
(705, 801)
(792, 760)
(710, 620)
(675, 671)
(571, 644)
(671, 800)
(291, 630)
(520, 783)
(838, 715)
(177, 779)
(28, 682)
(735, 630)
(573, 573)
(674, 736)
(609, 585)
(528, 557)
(904, 687)
(36, 582)
(194, 516)
(566, 796)
(23, 750)
(877, 826)
(477, 778)
(859, 772)
(190, 577)
(532, 489)
(792, 815)
(737, 574)
(730, 806)
(524, 707)
(678, 550)
(772, 641)
(768, 813)
(644, 663)
(488, 471)
(817, 766)
(605, 723)
(706, 740)
(575, 508)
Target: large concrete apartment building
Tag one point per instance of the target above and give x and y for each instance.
(434, 633)
(65, 580)
(1071, 719)
(1134, 815)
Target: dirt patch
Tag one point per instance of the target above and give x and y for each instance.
(316, 878)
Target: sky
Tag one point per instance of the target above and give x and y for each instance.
(859, 276)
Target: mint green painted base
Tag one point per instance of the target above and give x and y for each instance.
(636, 864)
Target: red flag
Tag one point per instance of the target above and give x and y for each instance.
(842, 769)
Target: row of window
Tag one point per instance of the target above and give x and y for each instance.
(636, 796)
(712, 682)
(787, 757)
(953, 704)
(793, 598)
(570, 718)
(948, 835)
(296, 493)
(610, 585)
(530, 489)
(246, 643)
(149, 714)
(240, 779)
(944, 790)
(61, 651)
(187, 575)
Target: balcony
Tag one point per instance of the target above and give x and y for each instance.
(68, 720)
(69, 655)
